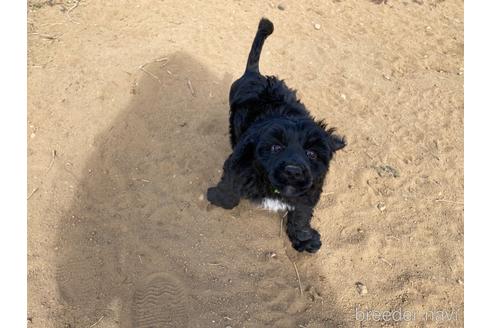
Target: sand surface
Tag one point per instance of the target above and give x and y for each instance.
(127, 114)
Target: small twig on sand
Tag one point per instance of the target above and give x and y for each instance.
(47, 36)
(141, 67)
(139, 179)
(365, 152)
(448, 201)
(50, 24)
(217, 264)
(158, 60)
(165, 61)
(53, 155)
(73, 7)
(298, 278)
(385, 261)
(190, 86)
(95, 323)
(32, 193)
(282, 223)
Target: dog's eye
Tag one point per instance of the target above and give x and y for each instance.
(276, 148)
(311, 154)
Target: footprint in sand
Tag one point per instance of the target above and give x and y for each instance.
(159, 302)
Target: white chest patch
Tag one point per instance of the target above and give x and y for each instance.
(275, 205)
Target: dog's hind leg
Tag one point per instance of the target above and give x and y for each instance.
(302, 236)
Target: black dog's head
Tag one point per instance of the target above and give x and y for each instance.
(295, 153)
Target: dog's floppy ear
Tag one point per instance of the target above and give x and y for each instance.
(335, 141)
(244, 152)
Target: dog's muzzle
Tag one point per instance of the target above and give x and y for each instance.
(293, 172)
(293, 179)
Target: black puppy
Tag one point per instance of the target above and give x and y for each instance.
(280, 153)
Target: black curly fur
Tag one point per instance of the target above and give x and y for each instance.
(279, 150)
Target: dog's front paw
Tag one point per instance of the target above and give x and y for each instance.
(306, 240)
(221, 199)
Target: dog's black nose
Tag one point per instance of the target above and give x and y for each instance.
(293, 171)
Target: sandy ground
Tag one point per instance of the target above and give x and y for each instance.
(121, 154)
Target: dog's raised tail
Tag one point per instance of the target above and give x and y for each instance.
(265, 28)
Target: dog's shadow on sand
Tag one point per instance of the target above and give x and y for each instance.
(140, 246)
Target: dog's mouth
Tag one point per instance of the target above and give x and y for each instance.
(290, 190)
(291, 181)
